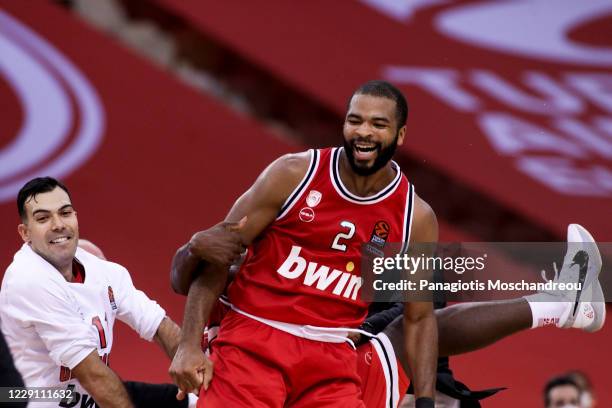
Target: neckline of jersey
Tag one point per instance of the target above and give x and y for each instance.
(347, 195)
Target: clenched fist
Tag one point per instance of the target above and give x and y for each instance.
(190, 370)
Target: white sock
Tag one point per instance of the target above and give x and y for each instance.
(546, 313)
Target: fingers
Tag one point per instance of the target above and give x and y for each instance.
(236, 226)
(229, 255)
(187, 382)
(180, 395)
(208, 373)
(355, 338)
(234, 246)
(185, 372)
(195, 389)
(220, 245)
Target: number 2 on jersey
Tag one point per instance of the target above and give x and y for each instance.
(343, 235)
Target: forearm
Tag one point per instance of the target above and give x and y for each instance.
(102, 383)
(168, 336)
(108, 391)
(185, 268)
(190, 369)
(421, 336)
(203, 294)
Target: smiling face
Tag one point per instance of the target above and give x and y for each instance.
(51, 228)
(371, 133)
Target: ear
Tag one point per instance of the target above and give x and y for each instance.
(401, 135)
(24, 232)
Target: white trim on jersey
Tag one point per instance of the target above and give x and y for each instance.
(334, 174)
(323, 334)
(408, 216)
(212, 333)
(301, 187)
(386, 355)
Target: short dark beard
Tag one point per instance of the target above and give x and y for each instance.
(384, 156)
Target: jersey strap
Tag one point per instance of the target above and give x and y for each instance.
(299, 190)
(408, 214)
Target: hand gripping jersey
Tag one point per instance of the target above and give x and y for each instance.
(305, 267)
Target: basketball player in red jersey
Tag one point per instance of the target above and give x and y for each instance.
(308, 213)
(297, 292)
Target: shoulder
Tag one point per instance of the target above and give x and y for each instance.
(423, 211)
(424, 222)
(95, 265)
(291, 166)
(24, 290)
(26, 277)
(281, 177)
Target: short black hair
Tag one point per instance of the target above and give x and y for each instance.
(558, 382)
(385, 89)
(36, 186)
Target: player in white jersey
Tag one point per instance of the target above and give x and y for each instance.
(58, 304)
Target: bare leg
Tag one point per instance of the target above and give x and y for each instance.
(469, 326)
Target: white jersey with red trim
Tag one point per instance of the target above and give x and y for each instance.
(51, 325)
(305, 267)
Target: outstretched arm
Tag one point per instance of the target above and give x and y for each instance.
(420, 328)
(257, 208)
(167, 336)
(190, 368)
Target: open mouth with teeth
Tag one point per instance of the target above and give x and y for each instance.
(60, 240)
(365, 151)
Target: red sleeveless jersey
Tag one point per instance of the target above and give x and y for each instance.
(305, 267)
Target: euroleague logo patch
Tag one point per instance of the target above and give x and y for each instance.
(380, 233)
(306, 214)
(381, 229)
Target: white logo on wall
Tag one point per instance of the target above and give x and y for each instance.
(531, 28)
(402, 10)
(557, 127)
(63, 119)
(535, 29)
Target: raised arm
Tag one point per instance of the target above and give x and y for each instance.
(212, 252)
(420, 329)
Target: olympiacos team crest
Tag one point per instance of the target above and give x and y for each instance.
(314, 198)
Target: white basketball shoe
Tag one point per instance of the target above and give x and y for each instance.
(583, 308)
